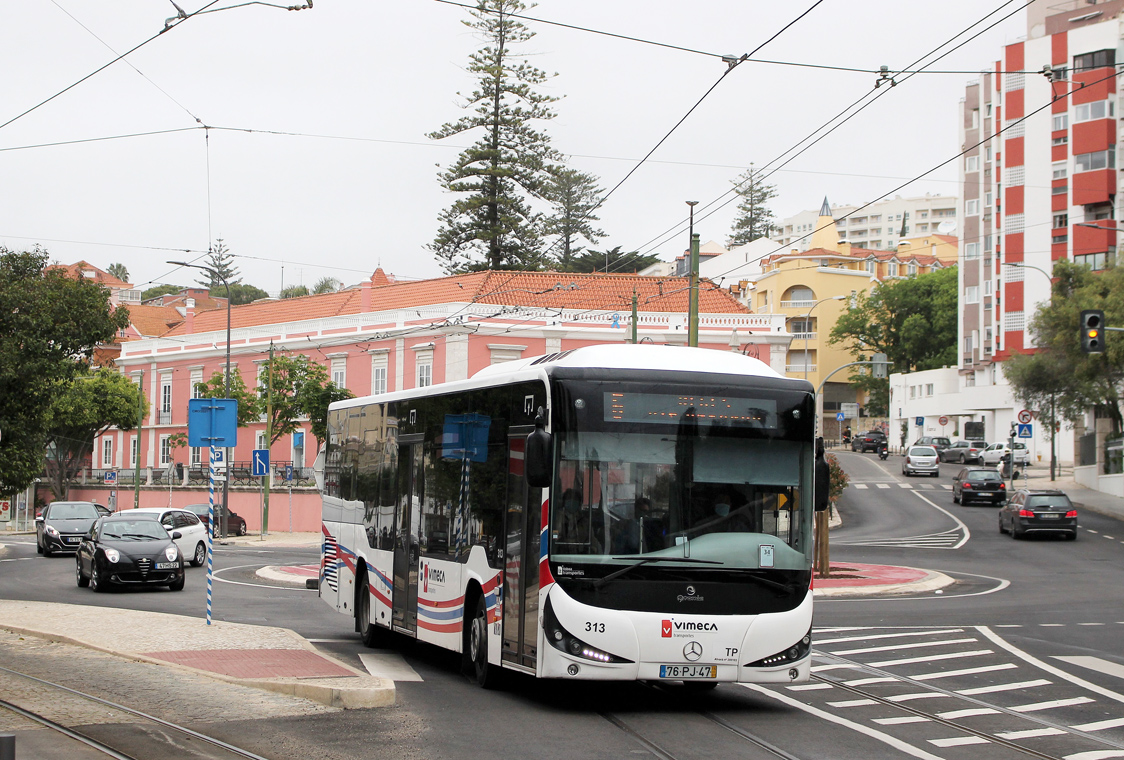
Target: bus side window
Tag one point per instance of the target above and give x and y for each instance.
(487, 495)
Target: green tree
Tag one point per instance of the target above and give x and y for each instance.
(573, 196)
(610, 261)
(491, 223)
(301, 389)
(912, 321)
(221, 261)
(160, 290)
(84, 408)
(327, 285)
(119, 271)
(294, 291)
(240, 293)
(1060, 371)
(754, 219)
(249, 405)
(49, 327)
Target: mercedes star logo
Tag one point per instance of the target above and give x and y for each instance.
(690, 591)
(693, 651)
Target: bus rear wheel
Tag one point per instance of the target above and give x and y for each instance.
(486, 674)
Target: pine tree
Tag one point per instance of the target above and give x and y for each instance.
(574, 195)
(220, 259)
(491, 223)
(754, 219)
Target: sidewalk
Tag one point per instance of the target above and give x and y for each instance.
(1106, 504)
(264, 657)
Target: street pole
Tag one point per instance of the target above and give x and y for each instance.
(1053, 432)
(140, 425)
(693, 303)
(268, 439)
(634, 317)
(808, 324)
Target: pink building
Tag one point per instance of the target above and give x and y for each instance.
(384, 336)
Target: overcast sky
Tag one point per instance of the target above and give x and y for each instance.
(359, 84)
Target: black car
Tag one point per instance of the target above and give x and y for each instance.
(978, 484)
(871, 441)
(129, 551)
(235, 524)
(1038, 512)
(62, 524)
(963, 452)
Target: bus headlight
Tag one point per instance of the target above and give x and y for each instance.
(564, 641)
(797, 651)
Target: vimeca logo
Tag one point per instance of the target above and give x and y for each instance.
(665, 629)
(425, 578)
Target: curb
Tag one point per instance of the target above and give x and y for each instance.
(273, 573)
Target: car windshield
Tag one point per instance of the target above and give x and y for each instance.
(942, 442)
(75, 511)
(922, 451)
(988, 476)
(133, 530)
(1049, 501)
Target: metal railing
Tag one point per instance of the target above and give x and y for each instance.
(799, 367)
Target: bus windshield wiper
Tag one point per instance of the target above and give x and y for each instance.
(648, 560)
(785, 587)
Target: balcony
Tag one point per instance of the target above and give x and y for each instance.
(799, 369)
(164, 417)
(797, 304)
(804, 336)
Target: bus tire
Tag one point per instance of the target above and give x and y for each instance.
(368, 631)
(487, 675)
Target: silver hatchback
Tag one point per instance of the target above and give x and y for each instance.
(921, 459)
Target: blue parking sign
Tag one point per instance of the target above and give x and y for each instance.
(288, 472)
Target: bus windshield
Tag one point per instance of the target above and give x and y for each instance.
(652, 475)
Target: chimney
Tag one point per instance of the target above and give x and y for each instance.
(365, 296)
(189, 318)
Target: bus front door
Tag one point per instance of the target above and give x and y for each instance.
(521, 558)
(406, 549)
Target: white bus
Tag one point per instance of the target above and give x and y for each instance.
(612, 512)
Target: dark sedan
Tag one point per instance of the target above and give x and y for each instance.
(872, 441)
(61, 526)
(235, 524)
(975, 484)
(1038, 512)
(129, 551)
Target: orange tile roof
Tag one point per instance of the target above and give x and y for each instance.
(554, 290)
(151, 321)
(100, 275)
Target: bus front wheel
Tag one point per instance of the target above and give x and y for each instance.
(368, 631)
(486, 674)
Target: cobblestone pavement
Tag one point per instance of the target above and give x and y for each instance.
(176, 696)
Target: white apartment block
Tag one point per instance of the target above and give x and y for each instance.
(878, 226)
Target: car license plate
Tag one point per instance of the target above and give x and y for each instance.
(688, 671)
(1049, 515)
(73, 539)
(165, 565)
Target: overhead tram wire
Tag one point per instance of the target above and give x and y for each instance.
(959, 155)
(677, 228)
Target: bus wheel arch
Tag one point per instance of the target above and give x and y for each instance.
(368, 631)
(475, 639)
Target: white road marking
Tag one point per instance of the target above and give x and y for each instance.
(1097, 664)
(861, 486)
(1100, 725)
(388, 665)
(907, 486)
(1051, 625)
(853, 703)
(1050, 705)
(873, 733)
(1110, 538)
(1030, 733)
(946, 486)
(959, 741)
(927, 486)
(1091, 624)
(1008, 625)
(1089, 686)
(821, 642)
(964, 672)
(822, 668)
(1004, 687)
(883, 485)
(931, 658)
(1097, 754)
(867, 681)
(810, 687)
(1091, 530)
(896, 647)
(967, 713)
(901, 721)
(919, 695)
(957, 520)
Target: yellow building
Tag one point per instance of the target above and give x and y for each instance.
(813, 287)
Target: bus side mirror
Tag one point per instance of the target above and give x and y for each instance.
(537, 456)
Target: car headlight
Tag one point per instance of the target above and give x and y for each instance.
(171, 553)
(50, 530)
(112, 555)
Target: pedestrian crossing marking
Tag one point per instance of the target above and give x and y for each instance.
(959, 741)
(883, 485)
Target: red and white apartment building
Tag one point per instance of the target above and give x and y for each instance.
(1039, 183)
(384, 336)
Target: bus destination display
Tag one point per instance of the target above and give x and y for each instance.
(671, 408)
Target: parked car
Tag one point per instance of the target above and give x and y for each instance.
(193, 535)
(1030, 511)
(994, 453)
(128, 549)
(963, 452)
(975, 484)
(62, 524)
(922, 460)
(869, 441)
(234, 522)
(938, 443)
(103, 511)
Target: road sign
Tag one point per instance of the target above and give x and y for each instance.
(212, 422)
(218, 460)
(288, 472)
(259, 466)
(850, 409)
(840, 416)
(919, 421)
(1026, 430)
(5, 510)
(110, 477)
(1025, 416)
(943, 421)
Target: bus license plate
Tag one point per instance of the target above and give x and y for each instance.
(688, 671)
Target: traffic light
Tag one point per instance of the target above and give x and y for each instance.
(1092, 331)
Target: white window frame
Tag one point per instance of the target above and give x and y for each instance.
(339, 371)
(1059, 170)
(133, 451)
(1060, 122)
(196, 456)
(972, 164)
(1098, 109)
(196, 379)
(259, 439)
(166, 394)
(972, 207)
(165, 450)
(107, 451)
(971, 251)
(971, 294)
(380, 367)
(424, 372)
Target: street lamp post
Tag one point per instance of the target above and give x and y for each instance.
(807, 324)
(226, 391)
(693, 299)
